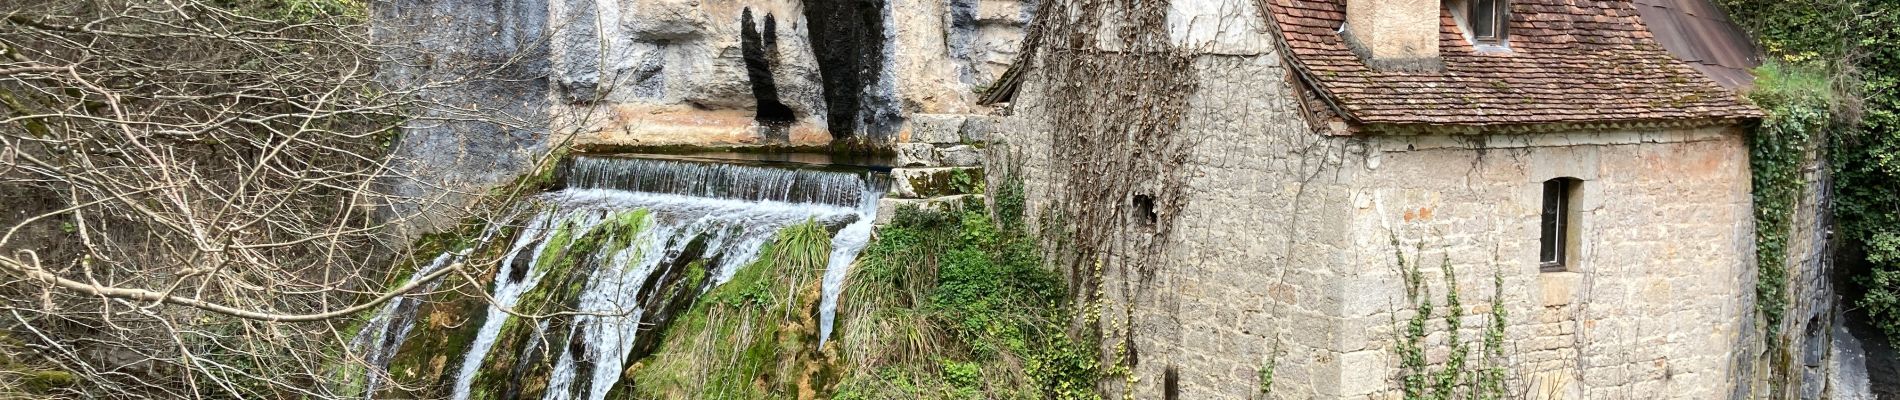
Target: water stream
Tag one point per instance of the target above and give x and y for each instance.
(675, 228)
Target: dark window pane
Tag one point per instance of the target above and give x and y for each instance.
(1483, 18)
(1556, 214)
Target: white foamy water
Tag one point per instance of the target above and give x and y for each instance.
(507, 291)
(721, 215)
(844, 251)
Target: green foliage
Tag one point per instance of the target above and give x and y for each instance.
(956, 304)
(745, 339)
(1867, 162)
(964, 181)
(1854, 40)
(1797, 99)
(1266, 372)
(1799, 32)
(1456, 377)
(1490, 385)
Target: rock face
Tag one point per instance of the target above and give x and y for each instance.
(663, 72)
(483, 58)
(520, 77)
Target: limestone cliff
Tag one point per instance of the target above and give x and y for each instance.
(525, 76)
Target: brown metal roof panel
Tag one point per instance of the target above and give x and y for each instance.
(1668, 26)
(1725, 44)
(1697, 32)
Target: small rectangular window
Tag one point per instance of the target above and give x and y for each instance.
(1555, 238)
(1488, 19)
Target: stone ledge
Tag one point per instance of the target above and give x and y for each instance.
(887, 207)
(948, 129)
(935, 128)
(932, 155)
(919, 183)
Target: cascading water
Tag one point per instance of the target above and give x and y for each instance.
(508, 289)
(649, 232)
(385, 331)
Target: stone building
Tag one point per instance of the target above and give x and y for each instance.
(1552, 144)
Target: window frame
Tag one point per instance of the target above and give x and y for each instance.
(1557, 220)
(1500, 22)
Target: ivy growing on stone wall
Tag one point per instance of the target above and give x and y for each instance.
(1117, 90)
(1856, 43)
(1796, 101)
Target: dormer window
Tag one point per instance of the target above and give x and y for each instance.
(1486, 20)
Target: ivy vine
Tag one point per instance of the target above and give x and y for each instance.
(1796, 102)
(1854, 43)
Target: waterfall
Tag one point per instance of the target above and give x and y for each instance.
(720, 180)
(507, 291)
(386, 330)
(844, 250)
(695, 224)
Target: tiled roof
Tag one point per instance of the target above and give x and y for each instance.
(1570, 62)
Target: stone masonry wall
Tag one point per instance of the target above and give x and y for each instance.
(1658, 303)
(1256, 243)
(1283, 255)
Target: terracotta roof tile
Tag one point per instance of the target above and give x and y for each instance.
(1570, 61)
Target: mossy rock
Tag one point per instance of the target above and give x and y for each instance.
(936, 182)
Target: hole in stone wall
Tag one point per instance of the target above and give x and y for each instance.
(1144, 210)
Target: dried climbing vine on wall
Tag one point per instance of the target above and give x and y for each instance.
(1116, 88)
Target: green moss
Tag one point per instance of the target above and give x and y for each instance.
(43, 382)
(948, 182)
(570, 257)
(766, 312)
